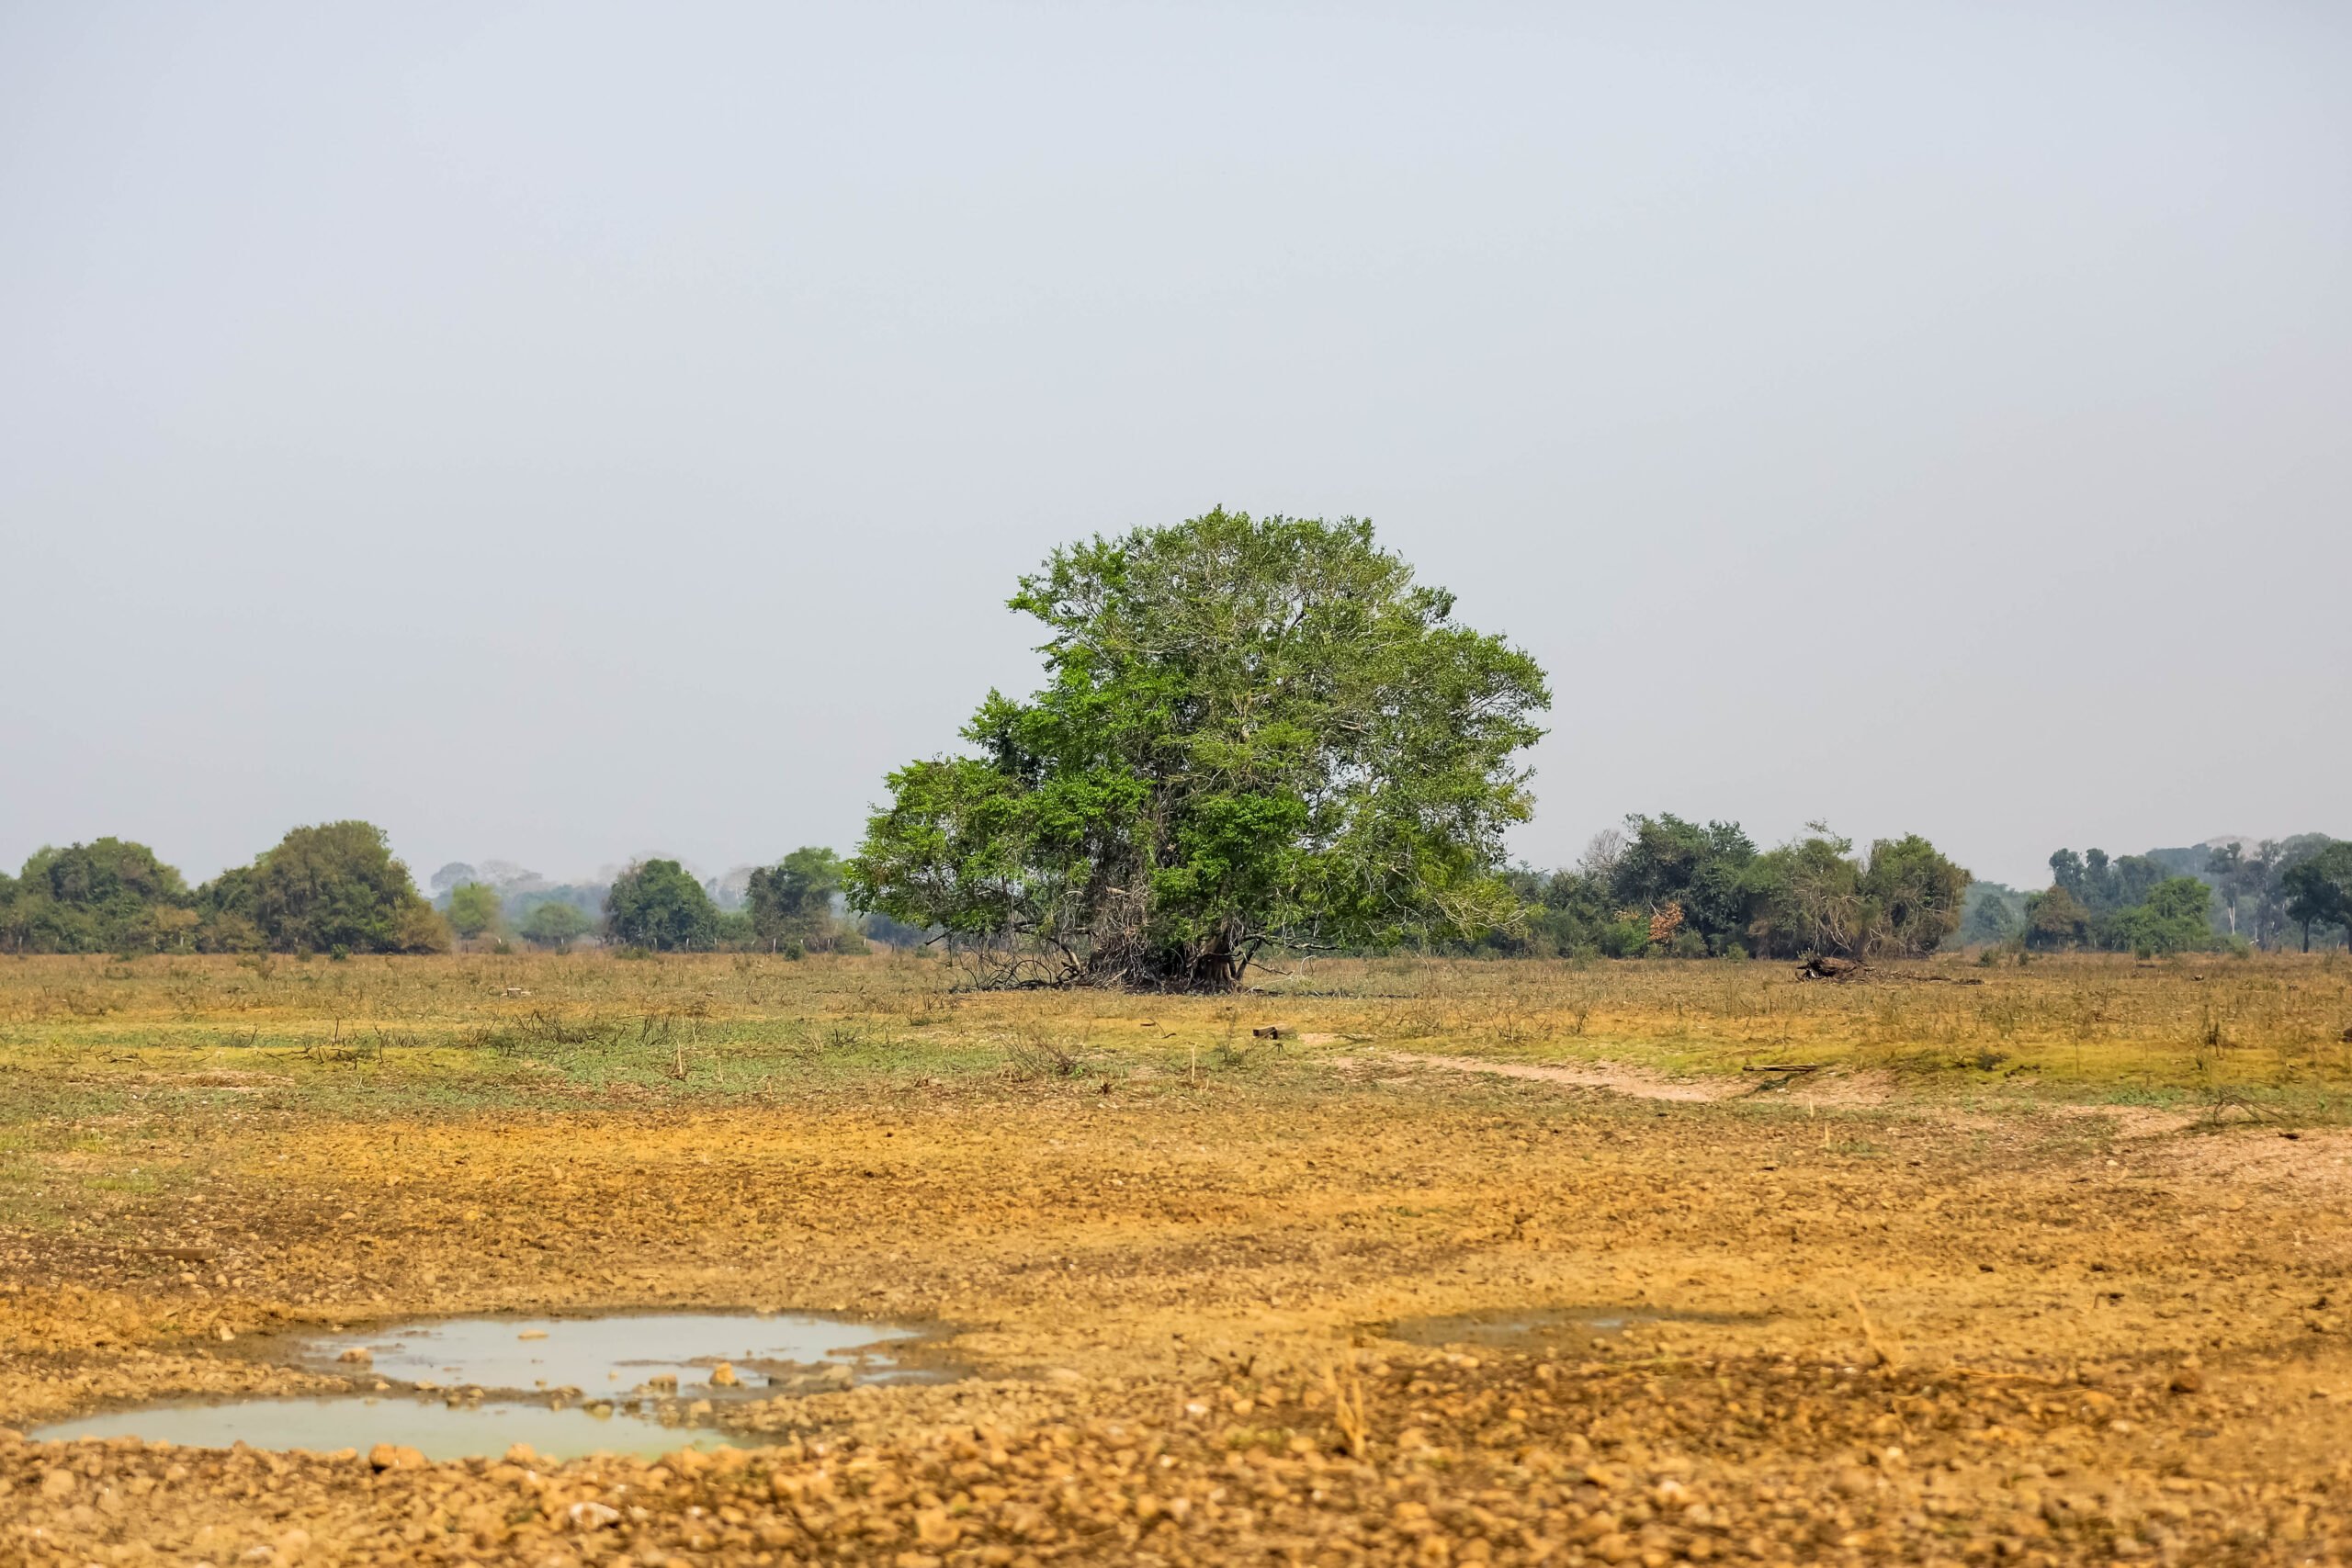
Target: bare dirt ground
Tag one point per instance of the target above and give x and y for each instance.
(1616, 1077)
(1325, 1304)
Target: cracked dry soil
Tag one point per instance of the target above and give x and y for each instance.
(1913, 1336)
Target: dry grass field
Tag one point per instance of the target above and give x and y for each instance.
(1461, 1263)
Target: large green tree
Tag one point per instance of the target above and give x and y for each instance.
(334, 886)
(2319, 891)
(2102, 886)
(791, 902)
(2054, 920)
(1993, 914)
(2234, 877)
(1814, 896)
(474, 907)
(555, 924)
(2277, 858)
(1253, 731)
(1697, 880)
(656, 904)
(1917, 893)
(107, 895)
(2176, 916)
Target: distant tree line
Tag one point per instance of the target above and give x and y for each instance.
(658, 906)
(791, 908)
(337, 888)
(2204, 898)
(1661, 886)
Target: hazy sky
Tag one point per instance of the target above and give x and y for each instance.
(557, 433)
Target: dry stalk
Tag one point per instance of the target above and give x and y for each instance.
(1883, 1350)
(1345, 1384)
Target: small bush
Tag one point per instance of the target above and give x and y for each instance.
(500, 1042)
(1035, 1055)
(1625, 939)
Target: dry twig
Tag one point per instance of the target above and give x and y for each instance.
(1346, 1387)
(1885, 1353)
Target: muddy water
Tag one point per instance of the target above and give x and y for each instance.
(640, 1383)
(600, 1356)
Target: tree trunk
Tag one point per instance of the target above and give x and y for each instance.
(1212, 970)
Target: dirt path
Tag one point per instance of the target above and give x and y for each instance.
(1599, 1075)
(1813, 1089)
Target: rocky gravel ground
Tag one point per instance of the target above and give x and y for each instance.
(1427, 1458)
(1327, 1308)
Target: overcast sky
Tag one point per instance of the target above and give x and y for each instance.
(559, 433)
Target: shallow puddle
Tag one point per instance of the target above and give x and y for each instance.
(602, 1356)
(570, 1386)
(1546, 1324)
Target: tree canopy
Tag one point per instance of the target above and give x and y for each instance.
(791, 902)
(474, 907)
(2056, 919)
(1663, 886)
(108, 895)
(2319, 891)
(2168, 901)
(1816, 896)
(2174, 916)
(1993, 915)
(333, 888)
(1253, 731)
(1686, 881)
(555, 924)
(656, 904)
